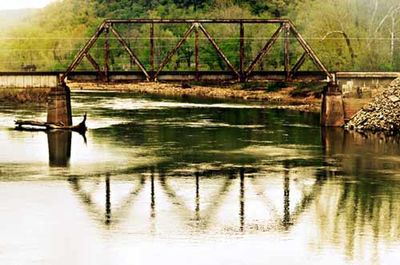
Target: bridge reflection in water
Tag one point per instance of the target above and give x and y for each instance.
(343, 197)
(219, 187)
(211, 191)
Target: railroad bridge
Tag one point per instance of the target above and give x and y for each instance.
(283, 30)
(148, 64)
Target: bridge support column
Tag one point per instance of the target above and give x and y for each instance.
(59, 106)
(332, 110)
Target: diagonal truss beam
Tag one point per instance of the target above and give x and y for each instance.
(78, 58)
(298, 64)
(216, 47)
(310, 51)
(196, 25)
(134, 58)
(93, 62)
(173, 51)
(264, 50)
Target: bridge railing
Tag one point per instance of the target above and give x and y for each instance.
(240, 73)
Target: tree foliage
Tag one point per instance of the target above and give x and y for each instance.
(346, 34)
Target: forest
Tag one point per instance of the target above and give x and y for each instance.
(347, 35)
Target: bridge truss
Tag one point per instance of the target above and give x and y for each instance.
(235, 73)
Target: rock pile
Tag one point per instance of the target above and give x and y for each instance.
(382, 114)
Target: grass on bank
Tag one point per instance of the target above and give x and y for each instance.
(39, 95)
(300, 89)
(24, 96)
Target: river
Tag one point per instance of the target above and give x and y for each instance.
(166, 181)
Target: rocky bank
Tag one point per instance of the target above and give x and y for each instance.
(382, 114)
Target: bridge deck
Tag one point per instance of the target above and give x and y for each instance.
(51, 78)
(202, 76)
(29, 79)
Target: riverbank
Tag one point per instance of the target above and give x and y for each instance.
(37, 96)
(281, 98)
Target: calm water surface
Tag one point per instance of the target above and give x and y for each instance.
(158, 181)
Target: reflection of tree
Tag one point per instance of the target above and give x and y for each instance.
(357, 212)
(357, 153)
(364, 206)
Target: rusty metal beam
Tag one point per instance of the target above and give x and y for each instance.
(241, 53)
(196, 52)
(173, 51)
(218, 49)
(93, 62)
(106, 52)
(310, 52)
(264, 50)
(81, 54)
(152, 47)
(206, 76)
(130, 52)
(242, 74)
(298, 64)
(191, 21)
(286, 50)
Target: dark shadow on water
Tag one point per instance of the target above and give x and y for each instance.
(59, 146)
(361, 154)
(59, 143)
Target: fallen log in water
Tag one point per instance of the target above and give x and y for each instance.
(40, 126)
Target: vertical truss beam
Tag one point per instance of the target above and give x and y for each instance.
(286, 51)
(242, 74)
(196, 52)
(152, 49)
(107, 52)
(241, 53)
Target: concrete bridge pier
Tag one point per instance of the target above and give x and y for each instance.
(332, 109)
(59, 106)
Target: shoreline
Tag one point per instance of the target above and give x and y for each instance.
(278, 99)
(24, 96)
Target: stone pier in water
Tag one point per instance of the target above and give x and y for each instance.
(59, 106)
(332, 109)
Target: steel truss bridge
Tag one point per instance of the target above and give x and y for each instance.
(243, 72)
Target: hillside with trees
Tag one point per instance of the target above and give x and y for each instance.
(346, 34)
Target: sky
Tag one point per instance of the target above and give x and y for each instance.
(18, 4)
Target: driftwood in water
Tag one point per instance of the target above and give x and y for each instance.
(40, 126)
